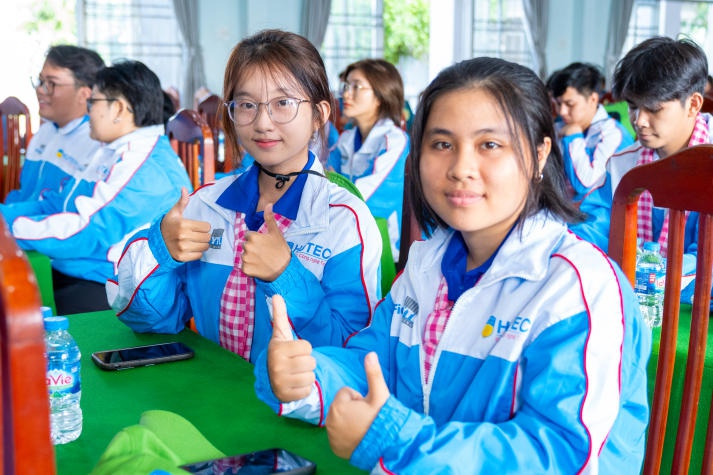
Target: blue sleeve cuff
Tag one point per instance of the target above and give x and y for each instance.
(293, 276)
(263, 389)
(383, 433)
(158, 246)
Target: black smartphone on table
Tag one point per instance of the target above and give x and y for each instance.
(124, 358)
(262, 462)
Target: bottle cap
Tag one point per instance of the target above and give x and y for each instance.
(652, 246)
(46, 311)
(56, 323)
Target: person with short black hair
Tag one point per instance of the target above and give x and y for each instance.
(61, 148)
(588, 137)
(662, 80)
(133, 179)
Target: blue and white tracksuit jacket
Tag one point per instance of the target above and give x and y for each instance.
(624, 161)
(331, 284)
(541, 367)
(84, 225)
(54, 156)
(377, 169)
(585, 161)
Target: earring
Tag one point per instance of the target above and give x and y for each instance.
(116, 120)
(539, 178)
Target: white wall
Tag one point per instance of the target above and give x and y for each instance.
(577, 32)
(221, 27)
(223, 23)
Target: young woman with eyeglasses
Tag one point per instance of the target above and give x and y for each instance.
(279, 227)
(372, 153)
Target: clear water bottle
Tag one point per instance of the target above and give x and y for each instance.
(63, 381)
(650, 283)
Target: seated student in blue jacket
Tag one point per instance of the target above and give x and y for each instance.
(280, 227)
(133, 178)
(62, 148)
(588, 137)
(373, 152)
(508, 344)
(663, 80)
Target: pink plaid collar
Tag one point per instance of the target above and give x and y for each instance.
(644, 219)
(435, 324)
(237, 303)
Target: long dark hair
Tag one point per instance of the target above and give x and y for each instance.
(523, 100)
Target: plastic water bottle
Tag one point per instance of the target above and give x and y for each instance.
(650, 283)
(63, 381)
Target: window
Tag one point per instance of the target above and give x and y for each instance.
(693, 19)
(498, 31)
(644, 23)
(143, 30)
(355, 31)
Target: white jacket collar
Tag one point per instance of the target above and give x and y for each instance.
(525, 253)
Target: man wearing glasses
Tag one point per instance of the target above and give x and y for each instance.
(61, 148)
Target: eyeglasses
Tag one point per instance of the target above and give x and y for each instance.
(353, 88)
(92, 100)
(281, 110)
(47, 84)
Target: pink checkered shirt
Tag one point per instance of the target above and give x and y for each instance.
(237, 304)
(645, 230)
(435, 324)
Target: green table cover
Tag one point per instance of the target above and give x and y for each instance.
(214, 391)
(679, 372)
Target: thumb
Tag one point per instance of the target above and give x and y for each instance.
(378, 390)
(281, 328)
(182, 202)
(270, 221)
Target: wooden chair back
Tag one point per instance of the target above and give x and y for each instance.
(211, 109)
(15, 137)
(192, 139)
(410, 230)
(25, 418)
(681, 182)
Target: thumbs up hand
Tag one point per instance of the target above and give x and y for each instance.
(266, 255)
(186, 239)
(351, 414)
(290, 364)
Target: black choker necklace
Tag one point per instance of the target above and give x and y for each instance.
(282, 179)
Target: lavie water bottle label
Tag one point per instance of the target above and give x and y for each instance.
(60, 381)
(650, 282)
